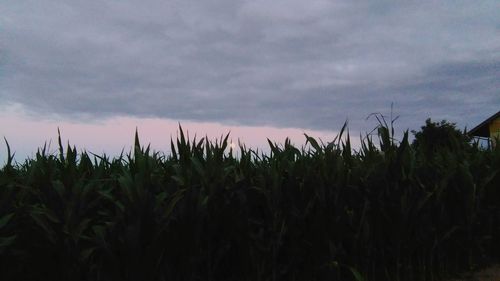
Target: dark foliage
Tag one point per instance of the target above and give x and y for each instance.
(438, 136)
(201, 213)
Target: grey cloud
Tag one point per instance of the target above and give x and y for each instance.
(308, 64)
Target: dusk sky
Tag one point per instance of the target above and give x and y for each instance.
(262, 69)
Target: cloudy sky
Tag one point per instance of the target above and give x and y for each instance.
(98, 69)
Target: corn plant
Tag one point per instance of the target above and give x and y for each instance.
(389, 210)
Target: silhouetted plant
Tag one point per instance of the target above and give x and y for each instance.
(388, 211)
(438, 136)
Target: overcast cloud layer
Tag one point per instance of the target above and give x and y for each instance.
(284, 63)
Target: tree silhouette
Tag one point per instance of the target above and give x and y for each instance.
(438, 136)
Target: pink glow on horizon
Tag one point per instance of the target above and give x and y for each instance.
(25, 134)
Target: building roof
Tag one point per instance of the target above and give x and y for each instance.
(482, 130)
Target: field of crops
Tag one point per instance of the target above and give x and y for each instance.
(387, 211)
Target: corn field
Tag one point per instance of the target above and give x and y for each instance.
(385, 211)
